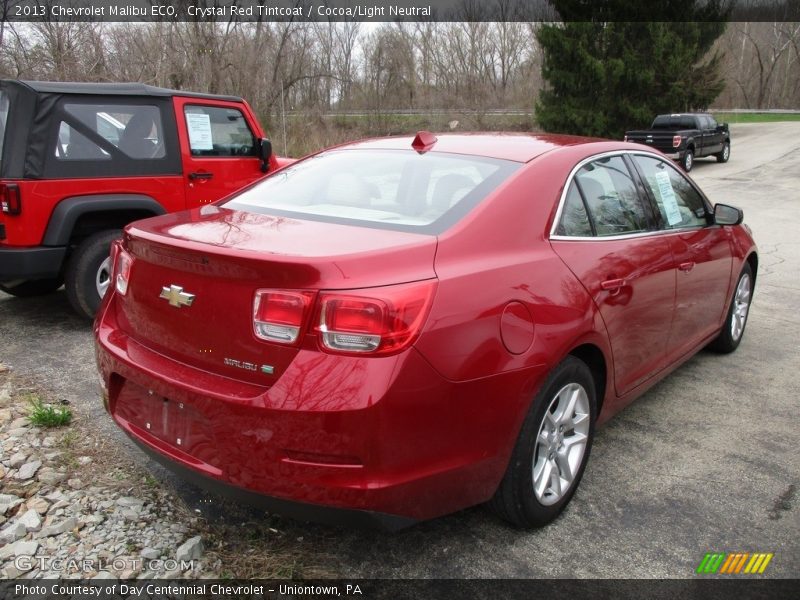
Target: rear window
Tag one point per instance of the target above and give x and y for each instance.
(674, 122)
(4, 103)
(393, 189)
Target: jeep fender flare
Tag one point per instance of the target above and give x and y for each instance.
(68, 211)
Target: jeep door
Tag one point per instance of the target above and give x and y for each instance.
(218, 148)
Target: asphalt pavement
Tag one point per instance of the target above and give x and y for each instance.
(707, 461)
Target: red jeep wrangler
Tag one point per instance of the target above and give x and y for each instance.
(79, 161)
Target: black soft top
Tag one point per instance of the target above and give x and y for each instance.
(36, 109)
(114, 89)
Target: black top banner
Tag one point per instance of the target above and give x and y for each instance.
(397, 10)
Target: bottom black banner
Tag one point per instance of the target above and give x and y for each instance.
(379, 589)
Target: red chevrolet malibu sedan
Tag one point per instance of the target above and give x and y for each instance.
(395, 329)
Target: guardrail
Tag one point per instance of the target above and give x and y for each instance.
(410, 112)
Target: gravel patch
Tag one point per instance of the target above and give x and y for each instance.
(71, 508)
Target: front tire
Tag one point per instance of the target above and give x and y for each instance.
(687, 162)
(89, 272)
(552, 449)
(725, 153)
(35, 287)
(733, 330)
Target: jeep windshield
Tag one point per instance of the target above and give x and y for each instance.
(4, 104)
(390, 189)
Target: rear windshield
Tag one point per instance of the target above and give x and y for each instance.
(674, 122)
(4, 103)
(392, 189)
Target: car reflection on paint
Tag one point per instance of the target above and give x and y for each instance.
(396, 329)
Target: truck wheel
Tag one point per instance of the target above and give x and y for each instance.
(725, 154)
(687, 162)
(89, 272)
(29, 289)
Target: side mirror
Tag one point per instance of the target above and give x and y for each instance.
(727, 215)
(264, 152)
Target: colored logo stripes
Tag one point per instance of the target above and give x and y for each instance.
(734, 563)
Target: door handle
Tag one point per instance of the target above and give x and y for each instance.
(686, 267)
(612, 285)
(195, 176)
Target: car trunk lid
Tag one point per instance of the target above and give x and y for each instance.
(193, 281)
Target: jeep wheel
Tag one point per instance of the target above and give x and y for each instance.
(89, 272)
(29, 289)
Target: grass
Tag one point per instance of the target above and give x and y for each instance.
(47, 415)
(755, 117)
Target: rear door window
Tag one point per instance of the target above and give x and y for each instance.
(216, 131)
(679, 204)
(611, 197)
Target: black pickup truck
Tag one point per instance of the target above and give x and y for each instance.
(686, 136)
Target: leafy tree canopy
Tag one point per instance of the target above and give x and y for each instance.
(606, 74)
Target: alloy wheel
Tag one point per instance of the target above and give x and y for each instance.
(741, 306)
(561, 444)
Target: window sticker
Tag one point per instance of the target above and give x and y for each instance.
(668, 199)
(199, 131)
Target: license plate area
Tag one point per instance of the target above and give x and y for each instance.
(176, 423)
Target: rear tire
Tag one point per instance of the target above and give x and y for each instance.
(35, 287)
(733, 330)
(725, 154)
(89, 272)
(552, 449)
(687, 162)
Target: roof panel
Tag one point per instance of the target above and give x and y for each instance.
(519, 147)
(116, 89)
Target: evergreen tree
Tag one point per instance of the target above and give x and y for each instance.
(607, 75)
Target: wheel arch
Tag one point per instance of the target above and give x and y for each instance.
(752, 260)
(594, 358)
(84, 215)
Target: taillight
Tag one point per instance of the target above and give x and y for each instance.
(676, 141)
(376, 320)
(278, 316)
(10, 199)
(122, 267)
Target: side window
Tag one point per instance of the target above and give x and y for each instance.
(679, 204)
(4, 106)
(218, 131)
(611, 197)
(574, 220)
(94, 131)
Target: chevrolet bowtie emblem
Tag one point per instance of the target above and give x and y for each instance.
(176, 297)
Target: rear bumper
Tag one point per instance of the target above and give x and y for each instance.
(297, 510)
(349, 440)
(30, 263)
